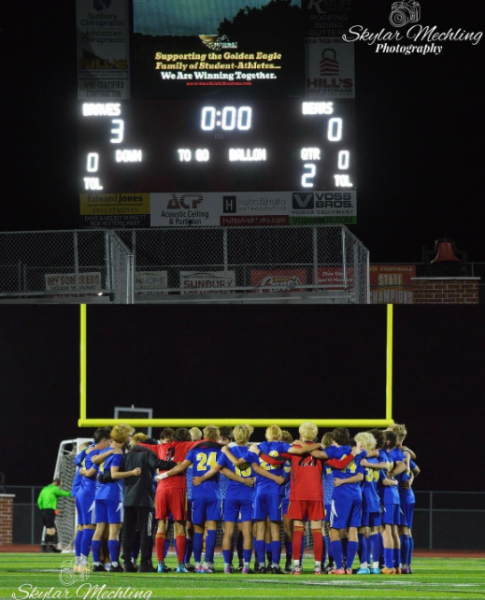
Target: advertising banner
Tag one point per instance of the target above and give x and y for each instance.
(67, 282)
(103, 49)
(198, 47)
(151, 282)
(279, 280)
(330, 69)
(207, 282)
(392, 284)
(252, 208)
(334, 278)
(114, 210)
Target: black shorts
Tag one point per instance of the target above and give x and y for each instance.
(48, 517)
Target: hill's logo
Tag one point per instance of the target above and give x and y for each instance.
(329, 65)
(402, 13)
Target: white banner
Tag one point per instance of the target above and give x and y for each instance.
(207, 282)
(330, 68)
(151, 282)
(252, 208)
(103, 49)
(66, 282)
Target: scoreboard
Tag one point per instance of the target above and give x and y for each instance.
(209, 112)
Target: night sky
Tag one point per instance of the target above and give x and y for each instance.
(420, 130)
(271, 361)
(420, 177)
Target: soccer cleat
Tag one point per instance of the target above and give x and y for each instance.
(117, 569)
(190, 568)
(337, 572)
(375, 571)
(328, 568)
(206, 570)
(99, 569)
(227, 569)
(387, 571)
(276, 570)
(398, 570)
(129, 567)
(405, 571)
(161, 567)
(54, 549)
(349, 572)
(146, 568)
(287, 567)
(317, 571)
(43, 548)
(181, 569)
(247, 571)
(362, 571)
(296, 571)
(261, 570)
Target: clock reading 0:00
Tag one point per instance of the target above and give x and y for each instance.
(228, 118)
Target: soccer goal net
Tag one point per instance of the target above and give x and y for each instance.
(66, 520)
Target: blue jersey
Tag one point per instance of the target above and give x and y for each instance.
(88, 484)
(348, 491)
(189, 473)
(287, 469)
(111, 491)
(263, 484)
(327, 484)
(370, 497)
(203, 460)
(76, 484)
(235, 489)
(388, 493)
(406, 496)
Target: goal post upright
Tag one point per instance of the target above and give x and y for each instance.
(262, 422)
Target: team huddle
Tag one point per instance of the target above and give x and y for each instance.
(353, 495)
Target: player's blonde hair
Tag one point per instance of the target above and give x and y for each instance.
(327, 439)
(367, 440)
(273, 432)
(121, 433)
(400, 430)
(195, 434)
(286, 436)
(308, 431)
(242, 433)
(138, 437)
(211, 432)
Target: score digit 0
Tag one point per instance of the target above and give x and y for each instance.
(201, 154)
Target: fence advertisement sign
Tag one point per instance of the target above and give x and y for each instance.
(207, 282)
(278, 280)
(392, 284)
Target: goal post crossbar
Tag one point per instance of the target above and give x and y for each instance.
(233, 422)
(353, 423)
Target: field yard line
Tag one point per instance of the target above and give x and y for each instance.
(372, 583)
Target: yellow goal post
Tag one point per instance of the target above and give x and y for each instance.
(84, 421)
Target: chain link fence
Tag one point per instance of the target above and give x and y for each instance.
(322, 264)
(65, 266)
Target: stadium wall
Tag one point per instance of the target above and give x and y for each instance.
(6, 518)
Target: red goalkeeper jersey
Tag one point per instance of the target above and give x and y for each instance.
(306, 473)
(177, 451)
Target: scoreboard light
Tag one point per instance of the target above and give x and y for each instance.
(263, 145)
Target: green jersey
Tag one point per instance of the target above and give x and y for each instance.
(49, 496)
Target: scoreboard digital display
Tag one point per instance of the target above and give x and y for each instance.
(263, 119)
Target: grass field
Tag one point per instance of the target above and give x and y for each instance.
(24, 576)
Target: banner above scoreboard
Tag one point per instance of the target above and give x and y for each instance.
(195, 48)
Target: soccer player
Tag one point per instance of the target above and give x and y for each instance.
(85, 497)
(47, 503)
(171, 499)
(306, 492)
(346, 511)
(205, 498)
(139, 503)
(371, 515)
(109, 500)
(238, 502)
(269, 495)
